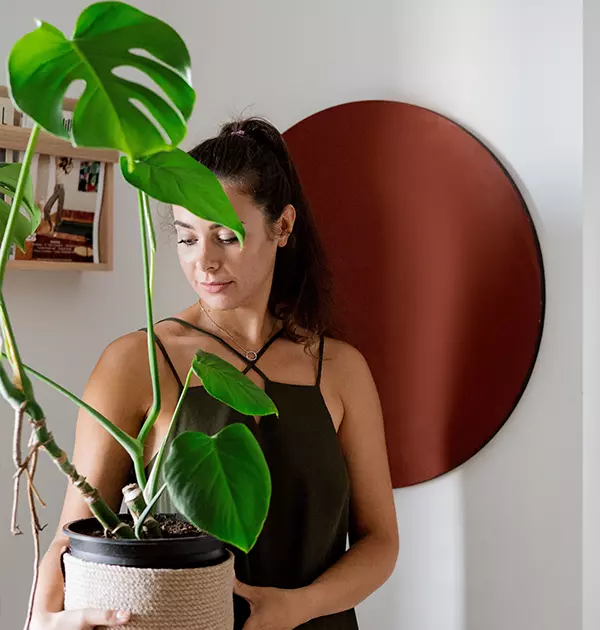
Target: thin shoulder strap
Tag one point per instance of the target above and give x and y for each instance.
(160, 344)
(251, 365)
(320, 370)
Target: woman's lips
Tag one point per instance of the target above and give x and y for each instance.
(214, 287)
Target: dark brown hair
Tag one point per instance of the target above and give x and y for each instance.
(252, 154)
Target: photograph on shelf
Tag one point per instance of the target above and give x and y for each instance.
(69, 194)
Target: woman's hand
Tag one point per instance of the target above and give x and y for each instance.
(272, 608)
(86, 619)
(48, 614)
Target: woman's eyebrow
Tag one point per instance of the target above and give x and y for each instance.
(182, 224)
(214, 226)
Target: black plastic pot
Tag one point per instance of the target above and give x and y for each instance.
(185, 552)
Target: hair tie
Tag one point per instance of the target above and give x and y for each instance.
(238, 132)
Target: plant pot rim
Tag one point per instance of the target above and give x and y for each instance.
(73, 534)
(151, 553)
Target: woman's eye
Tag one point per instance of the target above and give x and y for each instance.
(227, 240)
(186, 241)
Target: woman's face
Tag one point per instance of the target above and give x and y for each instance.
(223, 275)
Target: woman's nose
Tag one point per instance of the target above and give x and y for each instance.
(207, 258)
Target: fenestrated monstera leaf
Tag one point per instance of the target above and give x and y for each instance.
(177, 178)
(43, 64)
(223, 382)
(221, 484)
(25, 225)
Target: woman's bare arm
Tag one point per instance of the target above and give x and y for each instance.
(374, 536)
(120, 389)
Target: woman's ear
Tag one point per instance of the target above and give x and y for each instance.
(286, 224)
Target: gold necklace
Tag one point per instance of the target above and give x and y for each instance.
(251, 355)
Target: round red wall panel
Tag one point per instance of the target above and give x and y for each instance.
(438, 273)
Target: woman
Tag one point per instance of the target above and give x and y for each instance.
(266, 308)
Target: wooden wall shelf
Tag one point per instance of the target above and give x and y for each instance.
(16, 138)
(56, 265)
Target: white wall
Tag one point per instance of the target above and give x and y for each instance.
(591, 317)
(495, 545)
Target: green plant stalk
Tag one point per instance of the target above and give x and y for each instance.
(134, 448)
(17, 200)
(9, 390)
(130, 444)
(136, 504)
(99, 508)
(151, 234)
(151, 488)
(20, 378)
(147, 234)
(145, 515)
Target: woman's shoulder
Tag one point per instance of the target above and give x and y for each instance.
(133, 346)
(127, 352)
(339, 357)
(343, 357)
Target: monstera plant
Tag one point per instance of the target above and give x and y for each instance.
(219, 483)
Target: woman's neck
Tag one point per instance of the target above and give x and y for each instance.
(249, 326)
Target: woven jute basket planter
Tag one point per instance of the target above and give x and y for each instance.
(177, 599)
(159, 598)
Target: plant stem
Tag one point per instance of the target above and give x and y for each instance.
(147, 233)
(145, 515)
(17, 199)
(150, 231)
(136, 504)
(150, 491)
(130, 444)
(19, 377)
(98, 506)
(139, 470)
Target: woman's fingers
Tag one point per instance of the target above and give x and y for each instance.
(243, 590)
(89, 618)
(86, 619)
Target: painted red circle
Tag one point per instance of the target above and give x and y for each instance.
(438, 273)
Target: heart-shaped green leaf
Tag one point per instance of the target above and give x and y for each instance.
(175, 177)
(223, 382)
(44, 63)
(25, 225)
(221, 484)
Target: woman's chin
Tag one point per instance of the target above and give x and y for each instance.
(219, 301)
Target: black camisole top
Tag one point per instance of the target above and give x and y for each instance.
(307, 525)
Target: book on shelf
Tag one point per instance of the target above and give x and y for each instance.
(69, 194)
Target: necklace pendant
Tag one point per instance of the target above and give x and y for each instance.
(251, 355)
